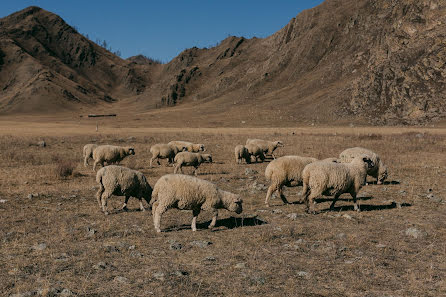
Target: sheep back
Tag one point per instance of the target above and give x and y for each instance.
(287, 170)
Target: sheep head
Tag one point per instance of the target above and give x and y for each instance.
(278, 143)
(130, 150)
(382, 174)
(201, 147)
(232, 202)
(207, 157)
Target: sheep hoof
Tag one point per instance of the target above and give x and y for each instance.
(379, 183)
(124, 208)
(158, 230)
(106, 213)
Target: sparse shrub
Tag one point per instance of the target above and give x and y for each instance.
(64, 169)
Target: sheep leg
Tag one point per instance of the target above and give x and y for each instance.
(214, 220)
(195, 213)
(282, 196)
(309, 203)
(124, 207)
(356, 207)
(86, 161)
(195, 170)
(158, 210)
(176, 168)
(94, 165)
(141, 206)
(104, 199)
(99, 195)
(336, 197)
(272, 188)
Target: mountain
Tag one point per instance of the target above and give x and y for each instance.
(365, 61)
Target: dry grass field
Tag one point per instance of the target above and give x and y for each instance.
(54, 240)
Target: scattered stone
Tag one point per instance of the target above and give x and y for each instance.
(62, 257)
(250, 171)
(33, 195)
(257, 280)
(277, 211)
(302, 273)
(293, 216)
(348, 217)
(380, 245)
(258, 187)
(91, 232)
(341, 235)
(201, 243)
(158, 276)
(41, 143)
(66, 293)
(240, 265)
(174, 245)
(3, 201)
(210, 259)
(261, 210)
(100, 265)
(26, 182)
(39, 247)
(434, 198)
(136, 254)
(131, 138)
(121, 279)
(430, 190)
(73, 196)
(111, 248)
(180, 273)
(132, 247)
(415, 233)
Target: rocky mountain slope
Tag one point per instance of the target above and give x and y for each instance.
(369, 61)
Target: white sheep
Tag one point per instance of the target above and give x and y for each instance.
(88, 152)
(190, 159)
(241, 152)
(329, 178)
(191, 193)
(379, 171)
(189, 146)
(121, 181)
(110, 154)
(163, 151)
(285, 171)
(255, 151)
(268, 147)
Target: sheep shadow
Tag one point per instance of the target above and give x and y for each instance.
(227, 223)
(367, 207)
(385, 183)
(319, 200)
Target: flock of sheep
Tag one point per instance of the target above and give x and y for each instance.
(331, 176)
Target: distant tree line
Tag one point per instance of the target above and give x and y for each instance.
(102, 43)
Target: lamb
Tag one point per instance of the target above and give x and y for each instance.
(110, 154)
(191, 193)
(163, 151)
(241, 152)
(190, 147)
(190, 159)
(121, 181)
(329, 178)
(88, 152)
(255, 151)
(379, 171)
(285, 171)
(268, 147)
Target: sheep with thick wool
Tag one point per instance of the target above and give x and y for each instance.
(88, 152)
(121, 181)
(190, 159)
(189, 146)
(190, 193)
(334, 179)
(285, 171)
(110, 154)
(379, 171)
(163, 151)
(255, 151)
(268, 147)
(241, 152)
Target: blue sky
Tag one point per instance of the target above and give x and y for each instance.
(162, 29)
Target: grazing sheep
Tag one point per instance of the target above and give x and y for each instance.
(191, 193)
(268, 147)
(190, 147)
(379, 171)
(241, 152)
(110, 154)
(121, 181)
(163, 151)
(285, 171)
(255, 151)
(329, 178)
(190, 159)
(88, 152)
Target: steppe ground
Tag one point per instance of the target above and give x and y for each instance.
(54, 240)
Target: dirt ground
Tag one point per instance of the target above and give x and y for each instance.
(54, 240)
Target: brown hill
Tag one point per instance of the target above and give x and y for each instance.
(380, 61)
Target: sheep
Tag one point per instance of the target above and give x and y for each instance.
(241, 152)
(379, 171)
(329, 178)
(285, 171)
(163, 151)
(191, 193)
(190, 147)
(121, 181)
(88, 152)
(190, 159)
(268, 147)
(110, 154)
(255, 151)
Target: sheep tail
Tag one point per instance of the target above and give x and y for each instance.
(305, 188)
